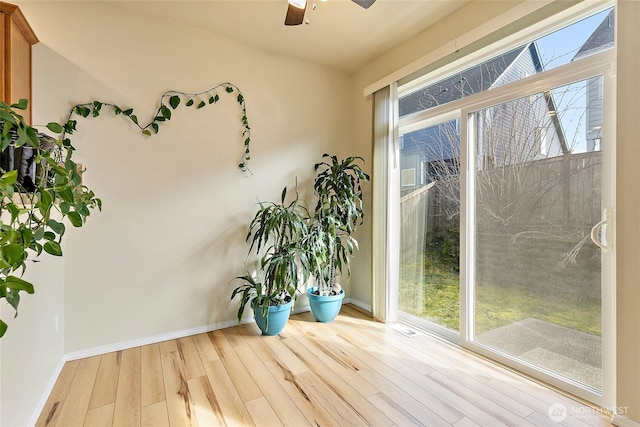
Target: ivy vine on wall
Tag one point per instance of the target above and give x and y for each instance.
(169, 101)
(42, 189)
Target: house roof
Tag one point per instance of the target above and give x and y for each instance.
(472, 80)
(601, 39)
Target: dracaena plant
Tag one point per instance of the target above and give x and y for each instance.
(34, 210)
(337, 214)
(275, 233)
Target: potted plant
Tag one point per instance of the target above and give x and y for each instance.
(276, 231)
(38, 194)
(338, 213)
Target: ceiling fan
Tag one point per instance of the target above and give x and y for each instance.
(297, 8)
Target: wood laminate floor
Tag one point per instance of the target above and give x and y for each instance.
(353, 372)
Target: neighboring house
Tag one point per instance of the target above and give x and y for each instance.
(601, 39)
(432, 153)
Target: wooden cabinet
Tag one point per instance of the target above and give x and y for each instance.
(16, 40)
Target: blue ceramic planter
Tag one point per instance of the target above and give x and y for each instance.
(278, 316)
(325, 308)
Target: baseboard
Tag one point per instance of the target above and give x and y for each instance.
(110, 348)
(47, 392)
(365, 307)
(620, 421)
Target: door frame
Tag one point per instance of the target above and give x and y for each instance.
(600, 64)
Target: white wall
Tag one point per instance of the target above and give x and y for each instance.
(159, 258)
(31, 351)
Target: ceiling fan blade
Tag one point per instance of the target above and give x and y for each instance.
(364, 3)
(295, 15)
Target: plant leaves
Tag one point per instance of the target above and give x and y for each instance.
(174, 101)
(53, 248)
(75, 219)
(16, 283)
(165, 111)
(21, 105)
(55, 127)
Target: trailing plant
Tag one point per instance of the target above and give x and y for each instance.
(30, 211)
(169, 101)
(276, 232)
(338, 213)
(32, 220)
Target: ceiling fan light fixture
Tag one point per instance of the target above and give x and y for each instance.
(300, 4)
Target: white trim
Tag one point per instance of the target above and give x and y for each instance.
(124, 345)
(620, 421)
(599, 64)
(47, 392)
(558, 20)
(360, 304)
(483, 30)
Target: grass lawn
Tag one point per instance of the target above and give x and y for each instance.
(515, 280)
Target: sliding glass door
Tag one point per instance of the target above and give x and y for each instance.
(505, 173)
(429, 284)
(539, 234)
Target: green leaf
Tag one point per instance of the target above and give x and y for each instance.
(56, 226)
(65, 194)
(75, 219)
(13, 253)
(55, 127)
(240, 98)
(133, 118)
(128, 112)
(3, 328)
(189, 102)
(201, 104)
(53, 248)
(146, 132)
(229, 89)
(70, 126)
(38, 233)
(82, 111)
(65, 207)
(174, 101)
(165, 111)
(18, 284)
(9, 178)
(21, 105)
(155, 127)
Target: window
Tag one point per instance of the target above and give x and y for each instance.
(512, 177)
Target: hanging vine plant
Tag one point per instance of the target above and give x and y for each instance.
(41, 185)
(169, 101)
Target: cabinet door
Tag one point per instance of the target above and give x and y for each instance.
(19, 72)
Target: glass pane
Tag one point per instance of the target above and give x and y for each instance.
(537, 291)
(430, 224)
(579, 40)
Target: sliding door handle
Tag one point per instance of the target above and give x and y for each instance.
(599, 231)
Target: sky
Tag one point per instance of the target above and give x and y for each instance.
(557, 49)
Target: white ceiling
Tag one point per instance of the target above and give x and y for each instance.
(340, 33)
